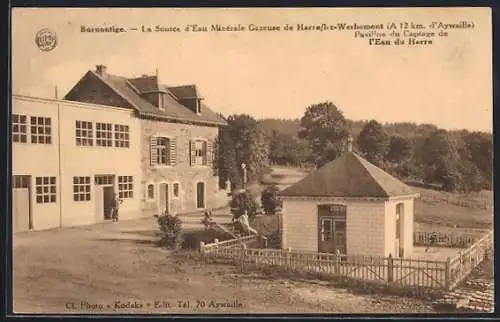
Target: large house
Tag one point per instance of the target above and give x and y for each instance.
(151, 144)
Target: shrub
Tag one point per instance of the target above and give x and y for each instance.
(170, 228)
(241, 202)
(269, 199)
(274, 240)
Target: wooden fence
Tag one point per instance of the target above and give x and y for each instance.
(442, 275)
(401, 271)
(466, 260)
(230, 243)
(443, 239)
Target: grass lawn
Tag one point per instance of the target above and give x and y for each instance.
(74, 270)
(446, 215)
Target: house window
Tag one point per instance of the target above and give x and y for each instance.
(20, 181)
(326, 230)
(176, 190)
(338, 210)
(161, 103)
(125, 187)
(200, 152)
(162, 151)
(83, 133)
(104, 180)
(45, 189)
(198, 106)
(103, 134)
(122, 136)
(19, 128)
(81, 188)
(151, 191)
(41, 130)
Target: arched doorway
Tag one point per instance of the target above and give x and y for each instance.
(332, 234)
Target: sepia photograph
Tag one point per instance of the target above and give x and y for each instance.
(175, 161)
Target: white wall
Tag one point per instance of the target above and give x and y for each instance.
(365, 225)
(406, 232)
(365, 228)
(38, 160)
(95, 160)
(43, 159)
(300, 225)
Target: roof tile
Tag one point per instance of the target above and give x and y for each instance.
(184, 91)
(128, 89)
(349, 176)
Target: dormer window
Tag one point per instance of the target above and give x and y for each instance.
(161, 101)
(198, 106)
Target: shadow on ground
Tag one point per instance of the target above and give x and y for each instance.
(148, 233)
(129, 241)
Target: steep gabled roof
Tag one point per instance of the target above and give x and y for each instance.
(131, 90)
(348, 176)
(146, 84)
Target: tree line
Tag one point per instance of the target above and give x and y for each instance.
(458, 160)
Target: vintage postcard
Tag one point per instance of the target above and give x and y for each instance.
(260, 160)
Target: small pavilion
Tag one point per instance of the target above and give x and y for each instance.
(349, 206)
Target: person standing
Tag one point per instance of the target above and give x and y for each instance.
(115, 206)
(207, 219)
(432, 241)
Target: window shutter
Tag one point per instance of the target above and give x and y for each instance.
(173, 152)
(192, 147)
(153, 150)
(215, 151)
(208, 153)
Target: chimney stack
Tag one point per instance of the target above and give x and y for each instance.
(101, 70)
(349, 144)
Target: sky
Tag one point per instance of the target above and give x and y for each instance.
(273, 74)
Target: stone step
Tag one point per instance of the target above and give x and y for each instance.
(468, 299)
(480, 284)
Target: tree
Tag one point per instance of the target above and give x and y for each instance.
(373, 142)
(243, 202)
(227, 165)
(325, 128)
(286, 149)
(447, 172)
(281, 126)
(242, 141)
(473, 180)
(269, 199)
(440, 159)
(399, 149)
(480, 146)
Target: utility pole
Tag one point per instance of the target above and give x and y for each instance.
(244, 168)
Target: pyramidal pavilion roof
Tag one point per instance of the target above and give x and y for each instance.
(349, 175)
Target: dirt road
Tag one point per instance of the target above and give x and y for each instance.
(117, 268)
